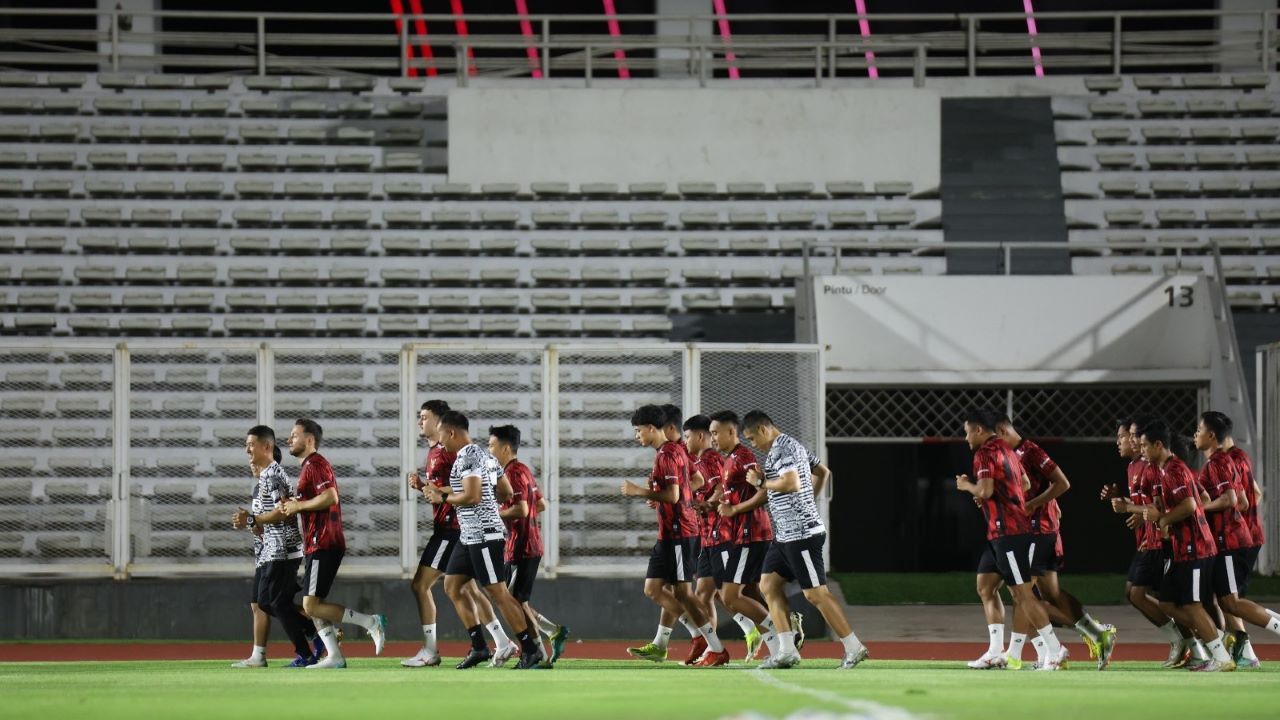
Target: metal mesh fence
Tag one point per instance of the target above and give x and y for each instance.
(189, 412)
(598, 391)
(1083, 413)
(491, 387)
(786, 385)
(56, 471)
(355, 397)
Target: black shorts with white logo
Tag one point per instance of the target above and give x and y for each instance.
(673, 560)
(799, 560)
(278, 585)
(440, 548)
(1146, 569)
(741, 564)
(259, 573)
(322, 567)
(482, 561)
(1187, 582)
(987, 561)
(1015, 556)
(710, 559)
(1231, 573)
(520, 576)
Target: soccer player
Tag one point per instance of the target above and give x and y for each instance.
(475, 483)
(706, 494)
(444, 540)
(671, 562)
(523, 551)
(744, 533)
(999, 485)
(276, 575)
(1187, 581)
(1146, 569)
(799, 536)
(1242, 650)
(1047, 483)
(324, 544)
(1229, 494)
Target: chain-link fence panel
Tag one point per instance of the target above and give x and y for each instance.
(355, 397)
(56, 456)
(1090, 413)
(786, 385)
(189, 412)
(600, 530)
(491, 387)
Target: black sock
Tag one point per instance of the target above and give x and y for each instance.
(477, 638)
(526, 642)
(1241, 636)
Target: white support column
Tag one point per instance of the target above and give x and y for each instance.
(551, 459)
(691, 397)
(408, 447)
(266, 382)
(133, 56)
(681, 28)
(121, 554)
(824, 502)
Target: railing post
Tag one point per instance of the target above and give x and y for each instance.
(817, 65)
(404, 48)
(831, 47)
(1116, 44)
(588, 52)
(262, 45)
(460, 62)
(1008, 259)
(703, 75)
(918, 75)
(1267, 19)
(546, 47)
(971, 44)
(114, 32)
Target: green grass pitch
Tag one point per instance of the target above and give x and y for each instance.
(614, 690)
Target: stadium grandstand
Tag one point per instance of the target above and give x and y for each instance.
(865, 219)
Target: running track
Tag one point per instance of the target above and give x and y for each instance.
(592, 649)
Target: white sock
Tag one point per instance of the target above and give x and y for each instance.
(787, 642)
(1037, 642)
(500, 639)
(351, 617)
(1274, 623)
(259, 652)
(770, 641)
(429, 639)
(713, 639)
(1218, 650)
(744, 622)
(688, 625)
(1247, 653)
(851, 643)
(329, 637)
(995, 639)
(1016, 642)
(1051, 643)
(1088, 627)
(547, 627)
(663, 638)
(1170, 631)
(1198, 650)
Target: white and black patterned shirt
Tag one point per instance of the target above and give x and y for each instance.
(795, 515)
(282, 540)
(480, 523)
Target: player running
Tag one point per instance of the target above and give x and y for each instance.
(1242, 649)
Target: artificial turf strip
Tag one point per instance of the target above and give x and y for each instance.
(958, 588)
(627, 689)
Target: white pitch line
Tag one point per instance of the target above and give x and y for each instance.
(866, 708)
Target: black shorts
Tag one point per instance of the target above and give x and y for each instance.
(1146, 569)
(278, 585)
(711, 562)
(482, 561)
(1188, 582)
(439, 549)
(322, 568)
(673, 560)
(520, 576)
(1048, 556)
(799, 560)
(258, 573)
(1231, 573)
(1015, 557)
(987, 562)
(1251, 554)
(742, 564)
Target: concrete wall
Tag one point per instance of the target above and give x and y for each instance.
(217, 609)
(716, 135)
